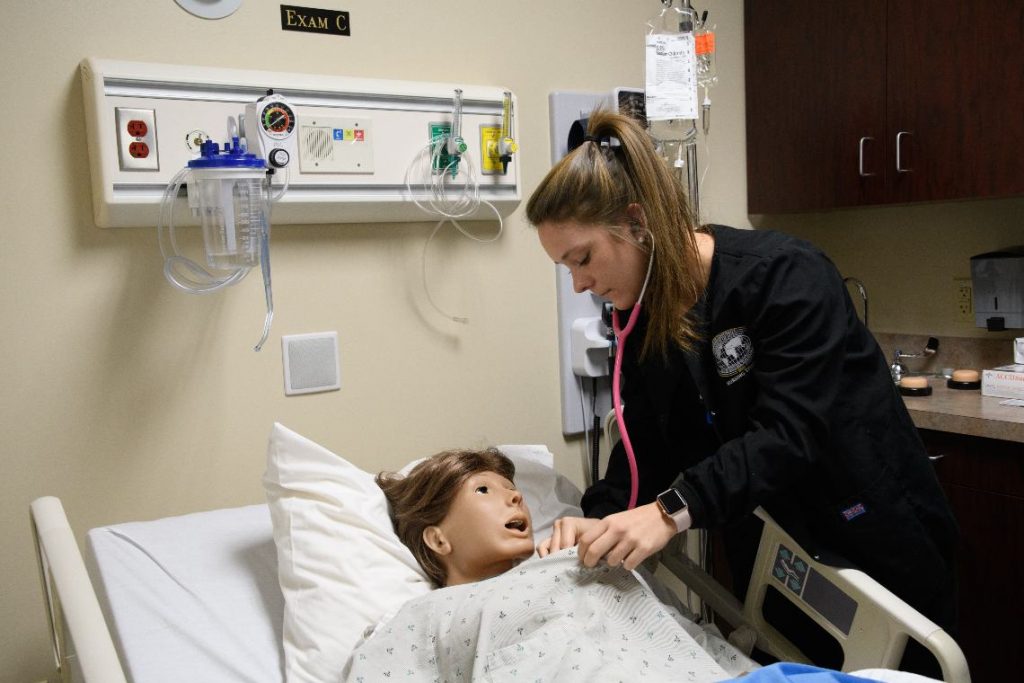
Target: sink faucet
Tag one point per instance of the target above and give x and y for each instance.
(898, 369)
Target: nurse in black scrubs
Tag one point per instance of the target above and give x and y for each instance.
(747, 379)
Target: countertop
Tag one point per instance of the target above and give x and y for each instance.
(966, 412)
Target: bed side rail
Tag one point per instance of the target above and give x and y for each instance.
(723, 603)
(869, 622)
(79, 635)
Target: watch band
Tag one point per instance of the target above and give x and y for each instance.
(673, 506)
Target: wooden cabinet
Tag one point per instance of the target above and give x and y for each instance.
(882, 101)
(984, 481)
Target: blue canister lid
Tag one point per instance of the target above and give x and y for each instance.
(232, 156)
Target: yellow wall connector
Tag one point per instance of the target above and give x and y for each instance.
(490, 153)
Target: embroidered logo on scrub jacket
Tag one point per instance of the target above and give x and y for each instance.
(734, 353)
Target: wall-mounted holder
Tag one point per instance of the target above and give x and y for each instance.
(565, 108)
(997, 280)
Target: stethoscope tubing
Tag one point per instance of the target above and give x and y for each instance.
(620, 337)
(620, 342)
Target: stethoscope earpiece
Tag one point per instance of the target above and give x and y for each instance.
(639, 231)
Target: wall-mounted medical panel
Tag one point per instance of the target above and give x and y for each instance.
(356, 139)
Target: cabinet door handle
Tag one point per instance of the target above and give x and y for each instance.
(860, 158)
(899, 152)
(936, 458)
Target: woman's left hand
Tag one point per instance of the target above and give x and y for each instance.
(627, 538)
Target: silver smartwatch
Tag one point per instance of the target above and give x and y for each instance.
(673, 505)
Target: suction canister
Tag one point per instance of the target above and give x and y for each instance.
(227, 190)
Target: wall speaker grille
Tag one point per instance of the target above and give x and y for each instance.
(317, 143)
(310, 363)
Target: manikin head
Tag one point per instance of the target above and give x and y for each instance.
(461, 515)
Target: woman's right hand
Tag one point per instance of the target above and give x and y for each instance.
(565, 534)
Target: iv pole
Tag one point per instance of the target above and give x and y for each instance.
(685, 145)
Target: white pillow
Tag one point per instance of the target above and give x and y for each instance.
(340, 564)
(335, 548)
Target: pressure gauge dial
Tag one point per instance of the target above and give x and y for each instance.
(278, 120)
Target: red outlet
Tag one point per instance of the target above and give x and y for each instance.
(137, 128)
(137, 147)
(138, 150)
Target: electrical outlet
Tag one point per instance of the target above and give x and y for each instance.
(136, 139)
(963, 298)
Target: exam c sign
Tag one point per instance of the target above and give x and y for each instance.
(313, 20)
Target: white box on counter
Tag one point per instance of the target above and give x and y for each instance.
(1005, 381)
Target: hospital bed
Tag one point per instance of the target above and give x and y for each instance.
(197, 597)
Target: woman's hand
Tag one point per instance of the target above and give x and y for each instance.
(565, 534)
(627, 538)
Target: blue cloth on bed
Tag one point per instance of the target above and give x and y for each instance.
(798, 673)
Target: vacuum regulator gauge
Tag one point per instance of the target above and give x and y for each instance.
(278, 120)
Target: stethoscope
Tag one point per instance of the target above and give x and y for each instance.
(620, 342)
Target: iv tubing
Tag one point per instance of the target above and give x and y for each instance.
(446, 204)
(198, 280)
(265, 265)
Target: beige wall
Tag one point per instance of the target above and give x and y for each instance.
(131, 401)
(908, 257)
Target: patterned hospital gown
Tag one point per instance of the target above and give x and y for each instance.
(549, 619)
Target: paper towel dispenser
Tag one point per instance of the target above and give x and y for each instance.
(997, 280)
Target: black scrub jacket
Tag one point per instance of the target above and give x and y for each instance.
(787, 403)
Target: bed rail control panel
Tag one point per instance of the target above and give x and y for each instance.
(814, 589)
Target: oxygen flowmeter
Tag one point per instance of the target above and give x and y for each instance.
(507, 145)
(229, 190)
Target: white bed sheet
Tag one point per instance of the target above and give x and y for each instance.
(194, 597)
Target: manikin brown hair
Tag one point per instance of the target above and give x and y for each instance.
(422, 498)
(598, 183)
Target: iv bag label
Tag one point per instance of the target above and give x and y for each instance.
(671, 76)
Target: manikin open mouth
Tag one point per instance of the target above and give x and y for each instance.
(518, 524)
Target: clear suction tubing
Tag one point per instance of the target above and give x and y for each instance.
(229, 190)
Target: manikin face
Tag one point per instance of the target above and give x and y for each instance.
(486, 532)
(602, 260)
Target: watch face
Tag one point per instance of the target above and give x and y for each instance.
(672, 502)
